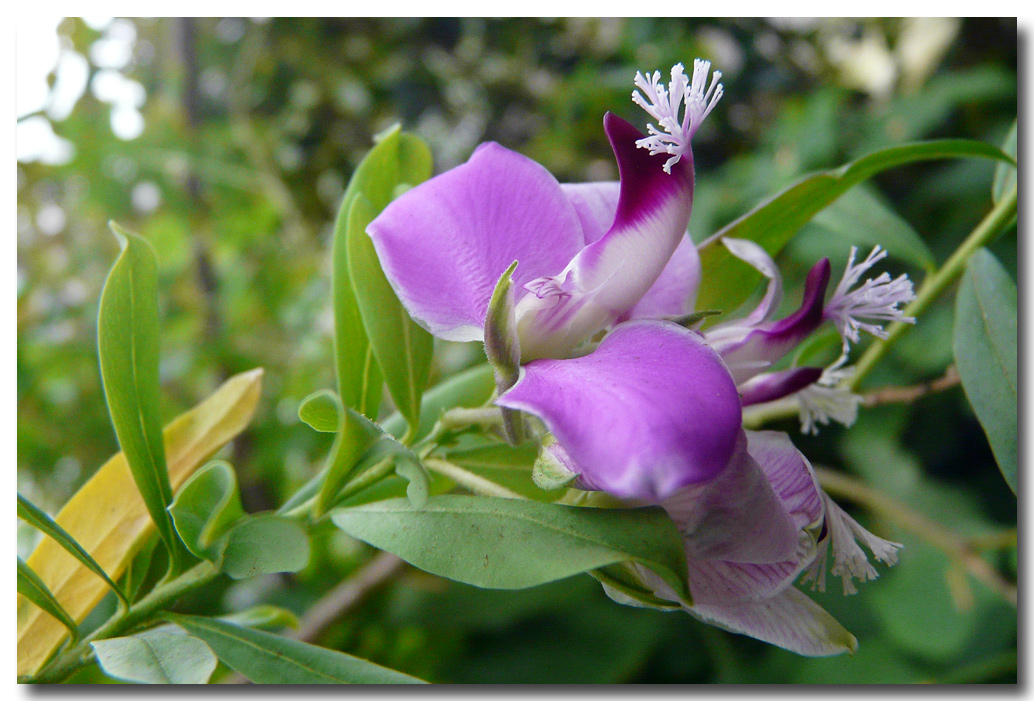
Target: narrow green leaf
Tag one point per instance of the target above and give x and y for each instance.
(503, 348)
(727, 281)
(1005, 173)
(985, 353)
(355, 435)
(396, 159)
(624, 588)
(206, 506)
(263, 617)
(512, 544)
(156, 657)
(32, 588)
(265, 544)
(127, 338)
(265, 658)
(402, 349)
(37, 517)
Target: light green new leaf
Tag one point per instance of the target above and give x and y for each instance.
(355, 434)
(396, 159)
(512, 544)
(127, 339)
(263, 617)
(205, 508)
(32, 588)
(265, 658)
(727, 281)
(156, 657)
(265, 544)
(1005, 173)
(39, 518)
(320, 410)
(985, 354)
(402, 349)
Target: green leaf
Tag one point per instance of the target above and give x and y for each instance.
(727, 281)
(265, 658)
(861, 217)
(32, 588)
(37, 517)
(985, 353)
(395, 160)
(355, 435)
(548, 472)
(511, 544)
(263, 617)
(264, 544)
(503, 348)
(156, 657)
(127, 338)
(505, 465)
(402, 349)
(1005, 173)
(320, 411)
(205, 508)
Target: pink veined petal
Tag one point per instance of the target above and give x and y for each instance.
(735, 517)
(790, 475)
(753, 254)
(610, 275)
(651, 410)
(595, 204)
(444, 244)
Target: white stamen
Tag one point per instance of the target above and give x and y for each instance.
(876, 299)
(849, 560)
(663, 104)
(825, 399)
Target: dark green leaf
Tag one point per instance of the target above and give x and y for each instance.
(32, 588)
(402, 349)
(127, 337)
(156, 657)
(511, 544)
(265, 658)
(264, 544)
(727, 281)
(37, 517)
(985, 354)
(207, 505)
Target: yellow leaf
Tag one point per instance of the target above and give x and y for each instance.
(108, 518)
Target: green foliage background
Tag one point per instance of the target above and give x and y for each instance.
(252, 129)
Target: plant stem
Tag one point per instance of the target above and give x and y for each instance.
(475, 483)
(935, 285)
(67, 662)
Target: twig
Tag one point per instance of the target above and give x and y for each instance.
(907, 395)
(959, 549)
(464, 478)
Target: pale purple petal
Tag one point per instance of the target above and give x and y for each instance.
(758, 258)
(790, 475)
(735, 517)
(595, 204)
(611, 274)
(653, 409)
(790, 620)
(444, 244)
(775, 385)
(751, 350)
(674, 294)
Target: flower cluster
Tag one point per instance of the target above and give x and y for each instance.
(653, 411)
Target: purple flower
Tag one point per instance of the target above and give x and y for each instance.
(653, 411)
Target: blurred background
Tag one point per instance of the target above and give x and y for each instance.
(227, 143)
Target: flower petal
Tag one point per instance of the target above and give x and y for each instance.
(674, 294)
(611, 274)
(444, 244)
(775, 385)
(753, 254)
(790, 475)
(790, 620)
(650, 411)
(736, 516)
(747, 350)
(595, 204)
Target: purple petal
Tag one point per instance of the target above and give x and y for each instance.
(775, 385)
(653, 409)
(595, 204)
(610, 275)
(674, 293)
(790, 475)
(750, 350)
(753, 254)
(735, 517)
(790, 620)
(444, 244)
